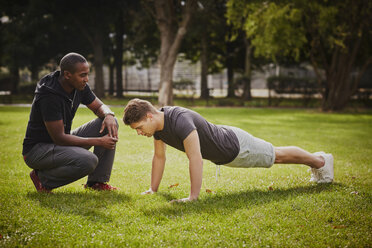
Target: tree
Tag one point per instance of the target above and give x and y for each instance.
(143, 42)
(331, 34)
(211, 41)
(125, 13)
(119, 33)
(26, 38)
(172, 31)
(340, 43)
(203, 41)
(91, 20)
(236, 19)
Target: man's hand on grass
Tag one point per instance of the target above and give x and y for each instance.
(148, 192)
(188, 199)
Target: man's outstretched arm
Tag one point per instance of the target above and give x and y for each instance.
(192, 149)
(158, 164)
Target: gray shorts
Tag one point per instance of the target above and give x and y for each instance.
(254, 152)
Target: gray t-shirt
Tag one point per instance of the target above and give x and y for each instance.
(218, 144)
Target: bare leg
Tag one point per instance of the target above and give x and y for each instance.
(296, 155)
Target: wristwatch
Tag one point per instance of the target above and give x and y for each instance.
(106, 110)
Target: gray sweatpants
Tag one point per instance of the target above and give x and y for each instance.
(60, 165)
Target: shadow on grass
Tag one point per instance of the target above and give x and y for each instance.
(166, 196)
(233, 201)
(92, 205)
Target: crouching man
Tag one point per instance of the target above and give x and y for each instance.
(57, 155)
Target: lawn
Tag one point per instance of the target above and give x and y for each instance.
(275, 207)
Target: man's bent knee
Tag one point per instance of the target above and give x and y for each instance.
(88, 162)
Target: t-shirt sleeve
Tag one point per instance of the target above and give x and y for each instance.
(87, 96)
(51, 108)
(156, 136)
(184, 126)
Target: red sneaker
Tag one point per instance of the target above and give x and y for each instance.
(101, 186)
(39, 187)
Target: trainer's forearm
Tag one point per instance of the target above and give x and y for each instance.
(196, 177)
(158, 164)
(103, 111)
(72, 140)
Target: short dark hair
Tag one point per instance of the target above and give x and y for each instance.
(136, 110)
(69, 61)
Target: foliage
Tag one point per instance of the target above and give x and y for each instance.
(215, 31)
(5, 81)
(271, 27)
(143, 38)
(333, 35)
(274, 207)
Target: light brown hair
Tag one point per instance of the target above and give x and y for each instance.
(136, 110)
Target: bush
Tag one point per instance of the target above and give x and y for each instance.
(6, 82)
(27, 88)
(291, 85)
(184, 84)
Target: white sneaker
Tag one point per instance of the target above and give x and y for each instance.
(325, 173)
(314, 172)
(314, 175)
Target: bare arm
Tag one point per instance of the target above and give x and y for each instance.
(56, 132)
(192, 148)
(158, 164)
(102, 111)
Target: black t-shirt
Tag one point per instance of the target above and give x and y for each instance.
(52, 103)
(218, 144)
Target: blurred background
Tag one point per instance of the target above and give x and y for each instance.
(261, 53)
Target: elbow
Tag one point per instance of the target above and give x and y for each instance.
(59, 143)
(59, 140)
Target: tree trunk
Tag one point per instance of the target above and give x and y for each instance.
(230, 70)
(34, 73)
(171, 38)
(111, 78)
(98, 65)
(126, 78)
(204, 92)
(166, 88)
(149, 85)
(340, 86)
(247, 70)
(96, 41)
(119, 26)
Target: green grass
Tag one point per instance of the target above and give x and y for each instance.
(241, 212)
